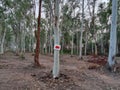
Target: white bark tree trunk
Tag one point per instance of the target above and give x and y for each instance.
(86, 41)
(56, 41)
(113, 35)
(2, 43)
(80, 54)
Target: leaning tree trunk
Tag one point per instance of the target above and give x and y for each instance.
(56, 41)
(113, 35)
(37, 50)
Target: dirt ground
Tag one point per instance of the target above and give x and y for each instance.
(18, 74)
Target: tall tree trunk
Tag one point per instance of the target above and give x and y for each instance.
(51, 27)
(80, 54)
(95, 50)
(86, 41)
(101, 42)
(23, 39)
(51, 42)
(56, 41)
(77, 46)
(2, 43)
(72, 44)
(113, 35)
(92, 48)
(37, 50)
(45, 44)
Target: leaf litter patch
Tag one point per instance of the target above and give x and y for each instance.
(61, 83)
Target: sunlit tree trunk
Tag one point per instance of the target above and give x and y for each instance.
(113, 35)
(56, 41)
(37, 50)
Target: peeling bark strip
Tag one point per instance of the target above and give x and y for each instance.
(37, 50)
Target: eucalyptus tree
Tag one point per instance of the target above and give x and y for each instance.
(56, 41)
(69, 24)
(37, 50)
(118, 32)
(91, 8)
(48, 6)
(17, 21)
(81, 35)
(113, 35)
(3, 24)
(103, 15)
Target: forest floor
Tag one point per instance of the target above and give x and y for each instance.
(18, 74)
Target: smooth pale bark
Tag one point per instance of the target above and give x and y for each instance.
(2, 43)
(23, 39)
(37, 50)
(56, 41)
(113, 34)
(86, 41)
(81, 34)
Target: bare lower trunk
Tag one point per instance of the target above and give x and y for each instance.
(86, 41)
(37, 50)
(113, 35)
(56, 41)
(96, 52)
(2, 43)
(102, 48)
(92, 48)
(72, 44)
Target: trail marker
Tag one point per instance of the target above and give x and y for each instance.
(57, 47)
